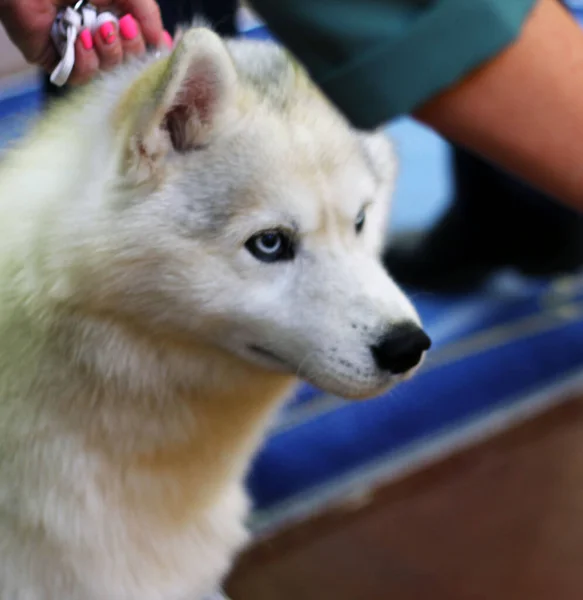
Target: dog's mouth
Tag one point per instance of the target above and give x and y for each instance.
(269, 355)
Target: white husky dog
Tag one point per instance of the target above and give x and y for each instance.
(178, 244)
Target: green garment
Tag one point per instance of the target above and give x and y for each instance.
(378, 59)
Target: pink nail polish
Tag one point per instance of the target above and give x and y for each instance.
(86, 39)
(107, 33)
(128, 27)
(167, 39)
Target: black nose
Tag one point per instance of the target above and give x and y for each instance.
(401, 348)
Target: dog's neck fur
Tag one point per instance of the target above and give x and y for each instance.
(159, 421)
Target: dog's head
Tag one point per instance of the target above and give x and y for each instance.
(249, 215)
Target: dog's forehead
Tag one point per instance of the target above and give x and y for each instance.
(323, 155)
(335, 165)
(278, 169)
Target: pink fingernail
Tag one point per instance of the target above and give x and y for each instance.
(128, 27)
(167, 39)
(86, 39)
(107, 33)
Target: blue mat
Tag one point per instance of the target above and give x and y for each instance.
(492, 348)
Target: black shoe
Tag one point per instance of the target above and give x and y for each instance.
(495, 222)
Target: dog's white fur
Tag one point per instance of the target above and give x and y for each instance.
(131, 395)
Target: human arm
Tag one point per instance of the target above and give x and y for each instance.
(524, 109)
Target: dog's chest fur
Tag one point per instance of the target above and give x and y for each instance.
(130, 489)
(120, 496)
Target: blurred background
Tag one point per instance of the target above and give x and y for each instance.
(466, 482)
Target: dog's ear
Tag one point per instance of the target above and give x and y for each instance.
(183, 98)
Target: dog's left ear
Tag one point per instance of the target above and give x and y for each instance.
(185, 97)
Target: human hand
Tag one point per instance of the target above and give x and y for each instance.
(28, 24)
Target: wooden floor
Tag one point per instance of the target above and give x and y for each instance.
(502, 521)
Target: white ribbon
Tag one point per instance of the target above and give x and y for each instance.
(66, 28)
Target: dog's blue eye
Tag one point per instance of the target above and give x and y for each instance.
(359, 222)
(271, 246)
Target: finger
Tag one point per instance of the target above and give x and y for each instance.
(145, 12)
(132, 40)
(28, 25)
(108, 46)
(167, 39)
(48, 59)
(86, 59)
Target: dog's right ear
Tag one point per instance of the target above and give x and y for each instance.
(182, 99)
